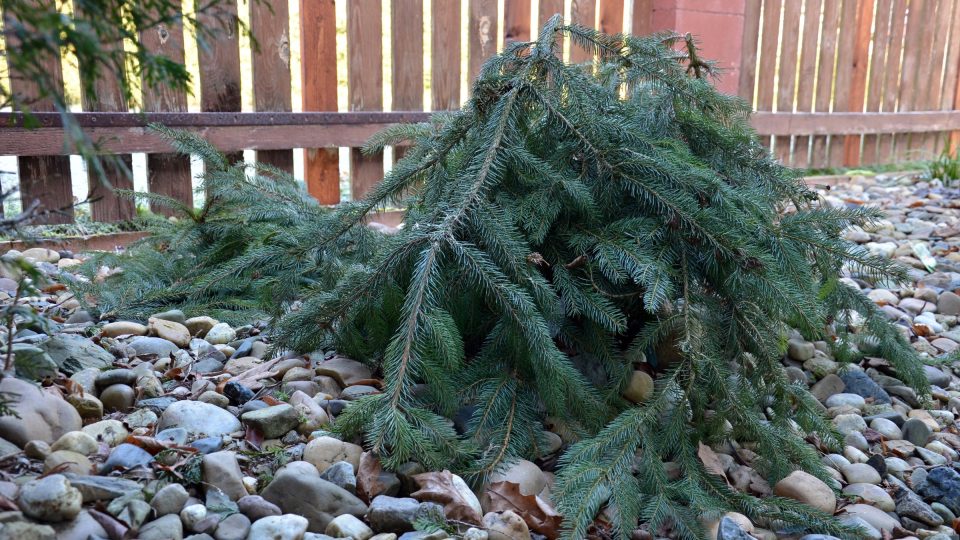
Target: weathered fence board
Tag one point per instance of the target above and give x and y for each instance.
(270, 28)
(318, 61)
(365, 84)
(220, 61)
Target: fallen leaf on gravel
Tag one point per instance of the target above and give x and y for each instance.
(368, 477)
(8, 505)
(537, 513)
(116, 530)
(711, 462)
(439, 487)
(154, 446)
(270, 400)
(250, 377)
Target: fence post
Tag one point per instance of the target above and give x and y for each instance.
(318, 68)
(717, 25)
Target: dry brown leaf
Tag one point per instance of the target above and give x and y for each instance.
(251, 377)
(368, 477)
(537, 513)
(155, 446)
(711, 462)
(116, 529)
(439, 487)
(270, 400)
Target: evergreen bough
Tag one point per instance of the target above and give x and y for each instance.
(569, 224)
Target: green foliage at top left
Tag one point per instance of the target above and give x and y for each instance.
(231, 258)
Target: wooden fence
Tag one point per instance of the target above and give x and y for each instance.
(835, 82)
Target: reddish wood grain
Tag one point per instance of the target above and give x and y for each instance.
(365, 84)
(318, 70)
(270, 28)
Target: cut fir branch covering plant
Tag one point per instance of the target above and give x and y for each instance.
(569, 224)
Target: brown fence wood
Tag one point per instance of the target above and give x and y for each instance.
(365, 84)
(789, 51)
(167, 173)
(807, 77)
(44, 180)
(318, 61)
(825, 75)
(270, 28)
(481, 37)
(445, 56)
(891, 76)
(858, 76)
(220, 62)
(107, 94)
(407, 66)
(846, 52)
(584, 13)
(878, 67)
(611, 16)
(516, 20)
(748, 50)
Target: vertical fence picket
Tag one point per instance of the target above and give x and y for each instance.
(878, 67)
(846, 44)
(445, 55)
(932, 70)
(167, 173)
(107, 95)
(749, 49)
(858, 77)
(786, 87)
(43, 179)
(767, 65)
(825, 76)
(611, 16)
(891, 76)
(950, 97)
(481, 37)
(912, 53)
(516, 20)
(406, 22)
(220, 62)
(318, 76)
(270, 28)
(584, 13)
(807, 77)
(364, 84)
(642, 17)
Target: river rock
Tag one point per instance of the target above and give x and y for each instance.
(123, 328)
(344, 370)
(525, 473)
(111, 432)
(323, 452)
(222, 471)
(256, 507)
(126, 456)
(199, 326)
(913, 507)
(76, 441)
(169, 500)
(43, 416)
(285, 527)
(199, 418)
(148, 345)
(872, 494)
(505, 525)
(916, 431)
(32, 362)
(233, 527)
(942, 484)
(171, 331)
(347, 526)
(50, 499)
(392, 514)
(73, 353)
(167, 527)
(312, 497)
(118, 398)
(273, 422)
(808, 489)
(858, 382)
(220, 334)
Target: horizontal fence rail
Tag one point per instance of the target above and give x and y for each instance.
(833, 83)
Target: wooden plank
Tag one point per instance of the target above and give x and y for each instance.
(858, 82)
(407, 37)
(107, 94)
(584, 13)
(846, 43)
(219, 58)
(547, 9)
(878, 66)
(167, 173)
(950, 98)
(768, 54)
(445, 46)
(364, 84)
(787, 84)
(516, 20)
(270, 28)
(481, 36)
(912, 52)
(806, 80)
(891, 76)
(611, 16)
(933, 71)
(748, 49)
(825, 75)
(854, 123)
(318, 76)
(643, 17)
(44, 180)
(229, 132)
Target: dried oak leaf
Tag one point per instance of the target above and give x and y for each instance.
(711, 462)
(444, 488)
(537, 513)
(368, 477)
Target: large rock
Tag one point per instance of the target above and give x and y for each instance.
(273, 422)
(525, 473)
(392, 514)
(198, 417)
(145, 345)
(167, 527)
(43, 416)
(505, 525)
(285, 527)
(123, 328)
(171, 331)
(808, 489)
(169, 500)
(32, 362)
(311, 497)
(50, 499)
(323, 452)
(878, 519)
(221, 471)
(858, 382)
(942, 484)
(344, 370)
(73, 353)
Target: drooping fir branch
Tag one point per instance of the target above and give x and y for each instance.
(567, 224)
